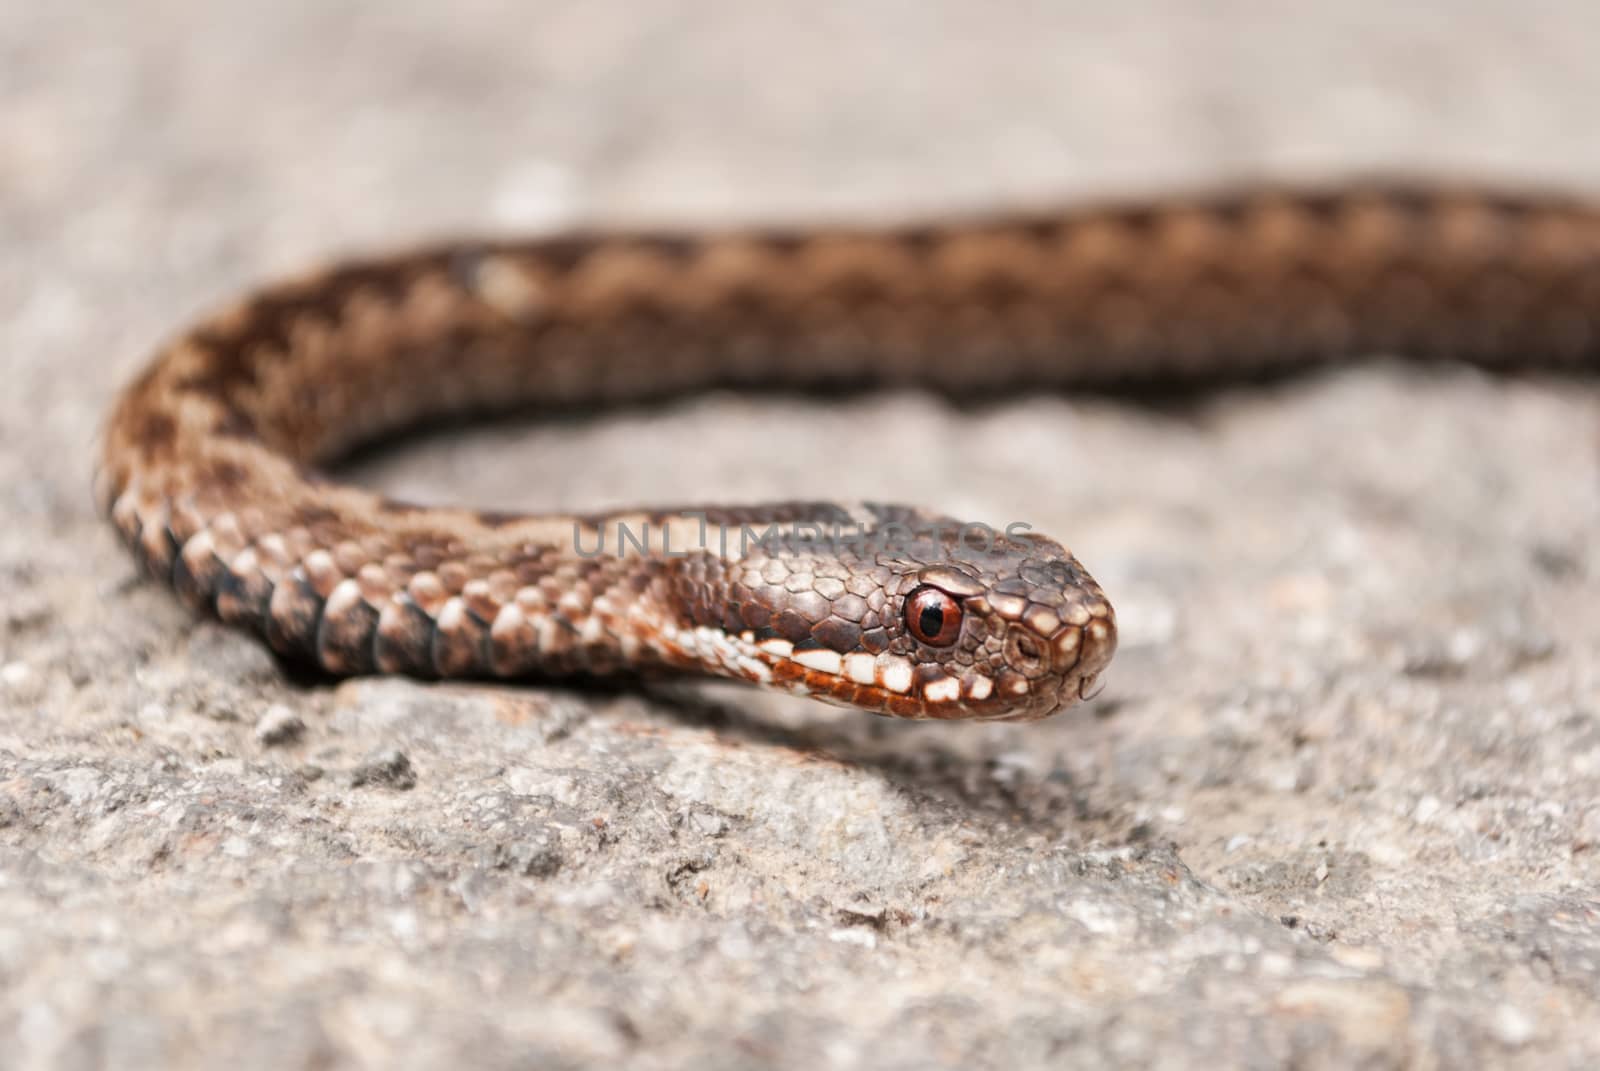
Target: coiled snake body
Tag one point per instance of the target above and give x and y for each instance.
(208, 464)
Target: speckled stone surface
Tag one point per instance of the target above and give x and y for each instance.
(1339, 804)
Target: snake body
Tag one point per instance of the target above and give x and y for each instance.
(210, 463)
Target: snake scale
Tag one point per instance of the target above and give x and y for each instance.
(210, 465)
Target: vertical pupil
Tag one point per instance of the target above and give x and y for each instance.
(931, 619)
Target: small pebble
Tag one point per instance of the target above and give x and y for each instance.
(1426, 809)
(534, 858)
(1511, 1026)
(21, 682)
(390, 769)
(710, 825)
(279, 725)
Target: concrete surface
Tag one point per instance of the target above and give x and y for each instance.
(1338, 806)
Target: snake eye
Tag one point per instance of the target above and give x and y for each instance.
(933, 616)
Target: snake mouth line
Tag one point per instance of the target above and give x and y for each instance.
(893, 684)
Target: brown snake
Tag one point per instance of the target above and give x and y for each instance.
(207, 465)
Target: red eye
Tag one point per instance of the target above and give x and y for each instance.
(933, 617)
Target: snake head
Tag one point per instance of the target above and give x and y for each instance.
(1013, 629)
(1030, 635)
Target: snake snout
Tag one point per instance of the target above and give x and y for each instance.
(1072, 655)
(1091, 646)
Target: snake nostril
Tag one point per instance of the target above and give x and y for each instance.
(1026, 653)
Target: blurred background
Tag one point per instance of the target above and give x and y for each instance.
(159, 155)
(1337, 805)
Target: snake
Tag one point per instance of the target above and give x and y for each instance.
(215, 460)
